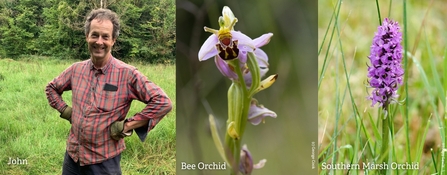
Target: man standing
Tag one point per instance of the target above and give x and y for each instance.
(103, 88)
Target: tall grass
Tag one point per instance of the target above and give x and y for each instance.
(349, 127)
(30, 129)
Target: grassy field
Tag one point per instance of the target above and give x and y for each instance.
(31, 130)
(349, 127)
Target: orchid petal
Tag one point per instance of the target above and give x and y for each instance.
(262, 40)
(208, 48)
(246, 161)
(243, 57)
(260, 164)
(231, 131)
(262, 59)
(245, 43)
(248, 79)
(267, 83)
(228, 17)
(257, 113)
(224, 68)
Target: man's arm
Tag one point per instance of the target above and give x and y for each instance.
(134, 125)
(157, 103)
(56, 87)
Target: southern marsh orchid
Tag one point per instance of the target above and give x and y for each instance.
(239, 58)
(386, 75)
(385, 72)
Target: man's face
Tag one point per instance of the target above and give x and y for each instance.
(100, 39)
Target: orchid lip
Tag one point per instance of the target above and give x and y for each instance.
(225, 69)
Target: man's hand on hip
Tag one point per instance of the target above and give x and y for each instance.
(66, 114)
(117, 130)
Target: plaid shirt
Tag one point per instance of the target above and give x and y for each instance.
(99, 98)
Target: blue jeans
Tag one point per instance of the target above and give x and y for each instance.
(109, 167)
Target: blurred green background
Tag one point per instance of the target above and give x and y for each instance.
(286, 142)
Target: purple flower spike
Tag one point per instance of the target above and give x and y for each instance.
(385, 72)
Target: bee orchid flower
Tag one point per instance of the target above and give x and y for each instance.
(226, 44)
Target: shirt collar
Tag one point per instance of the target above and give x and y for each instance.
(104, 68)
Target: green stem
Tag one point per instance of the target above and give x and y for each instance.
(244, 117)
(385, 135)
(237, 144)
(389, 8)
(378, 12)
(240, 118)
(229, 152)
(233, 134)
(407, 126)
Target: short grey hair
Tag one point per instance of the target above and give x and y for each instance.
(103, 14)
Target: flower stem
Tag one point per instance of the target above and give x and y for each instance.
(406, 81)
(241, 116)
(378, 12)
(233, 134)
(229, 153)
(385, 135)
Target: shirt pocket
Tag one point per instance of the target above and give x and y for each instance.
(107, 100)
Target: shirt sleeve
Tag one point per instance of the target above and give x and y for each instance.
(157, 102)
(56, 87)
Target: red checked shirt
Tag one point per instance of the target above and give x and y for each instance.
(99, 98)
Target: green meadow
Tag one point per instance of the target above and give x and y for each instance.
(31, 130)
(350, 129)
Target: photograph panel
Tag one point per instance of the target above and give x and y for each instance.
(87, 86)
(281, 131)
(385, 63)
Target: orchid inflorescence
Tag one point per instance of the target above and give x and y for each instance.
(385, 71)
(385, 76)
(239, 58)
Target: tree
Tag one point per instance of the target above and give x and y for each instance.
(55, 28)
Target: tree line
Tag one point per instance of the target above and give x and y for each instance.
(55, 28)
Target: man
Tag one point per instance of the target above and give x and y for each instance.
(102, 90)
